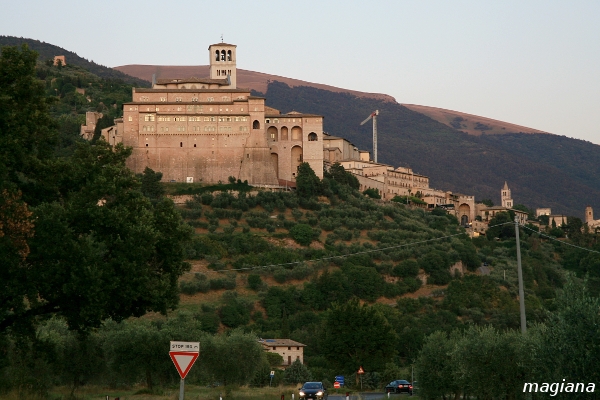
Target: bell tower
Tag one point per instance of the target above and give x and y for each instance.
(507, 201)
(589, 214)
(223, 63)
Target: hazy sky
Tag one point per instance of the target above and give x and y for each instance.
(533, 63)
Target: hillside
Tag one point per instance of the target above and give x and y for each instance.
(247, 79)
(458, 151)
(47, 51)
(469, 123)
(541, 169)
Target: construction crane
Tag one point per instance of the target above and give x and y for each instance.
(373, 115)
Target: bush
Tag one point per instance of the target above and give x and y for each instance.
(297, 373)
(254, 281)
(406, 268)
(303, 234)
(372, 193)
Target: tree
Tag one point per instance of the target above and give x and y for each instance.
(104, 122)
(303, 234)
(372, 193)
(98, 248)
(570, 345)
(434, 366)
(338, 174)
(151, 186)
(355, 335)
(500, 226)
(307, 182)
(296, 373)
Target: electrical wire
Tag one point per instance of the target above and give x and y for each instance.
(353, 254)
(560, 241)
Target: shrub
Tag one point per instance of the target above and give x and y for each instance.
(406, 268)
(254, 281)
(372, 193)
(303, 234)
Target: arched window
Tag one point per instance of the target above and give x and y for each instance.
(312, 137)
(256, 124)
(272, 133)
(284, 133)
(217, 55)
(229, 55)
(222, 55)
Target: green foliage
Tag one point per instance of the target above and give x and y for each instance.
(235, 311)
(303, 234)
(363, 332)
(274, 359)
(339, 175)
(372, 193)
(255, 282)
(407, 268)
(408, 200)
(151, 186)
(504, 231)
(296, 373)
(308, 184)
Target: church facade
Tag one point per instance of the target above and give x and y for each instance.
(207, 130)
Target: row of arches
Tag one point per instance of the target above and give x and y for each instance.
(296, 134)
(223, 55)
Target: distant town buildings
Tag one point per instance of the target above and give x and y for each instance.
(542, 211)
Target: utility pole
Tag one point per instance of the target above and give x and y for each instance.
(520, 274)
(373, 116)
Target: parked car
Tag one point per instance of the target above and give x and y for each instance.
(399, 386)
(313, 390)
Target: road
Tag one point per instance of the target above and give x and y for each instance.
(367, 396)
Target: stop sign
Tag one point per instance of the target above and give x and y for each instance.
(336, 384)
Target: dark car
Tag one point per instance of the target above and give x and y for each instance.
(313, 390)
(399, 386)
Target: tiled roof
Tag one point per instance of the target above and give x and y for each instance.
(280, 343)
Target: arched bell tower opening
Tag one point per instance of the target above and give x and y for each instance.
(223, 63)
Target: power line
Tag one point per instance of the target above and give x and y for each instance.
(359, 252)
(560, 241)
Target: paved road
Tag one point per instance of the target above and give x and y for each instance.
(368, 396)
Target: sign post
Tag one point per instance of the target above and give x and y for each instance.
(184, 355)
(272, 375)
(361, 371)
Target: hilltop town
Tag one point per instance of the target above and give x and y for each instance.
(207, 130)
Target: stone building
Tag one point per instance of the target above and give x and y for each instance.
(60, 60)
(486, 213)
(207, 129)
(589, 219)
(91, 120)
(288, 349)
(542, 211)
(402, 181)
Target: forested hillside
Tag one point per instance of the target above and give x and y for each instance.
(541, 169)
(47, 51)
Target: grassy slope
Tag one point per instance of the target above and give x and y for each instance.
(476, 299)
(542, 169)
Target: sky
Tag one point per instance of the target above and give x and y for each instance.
(531, 63)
